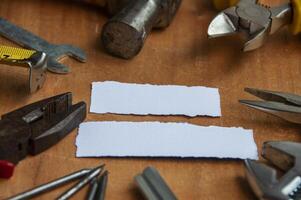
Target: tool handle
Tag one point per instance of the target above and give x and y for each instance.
(6, 169)
(296, 25)
(223, 4)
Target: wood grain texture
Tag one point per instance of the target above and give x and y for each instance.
(180, 55)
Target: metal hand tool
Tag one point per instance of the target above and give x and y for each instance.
(264, 180)
(31, 41)
(98, 187)
(51, 185)
(256, 21)
(102, 186)
(92, 189)
(284, 155)
(125, 33)
(36, 61)
(38, 126)
(284, 105)
(153, 185)
(73, 190)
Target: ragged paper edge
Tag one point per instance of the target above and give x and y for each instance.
(248, 131)
(217, 115)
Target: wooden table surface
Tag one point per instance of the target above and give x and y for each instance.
(180, 55)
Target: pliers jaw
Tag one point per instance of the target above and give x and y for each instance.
(254, 20)
(38, 126)
(263, 179)
(284, 105)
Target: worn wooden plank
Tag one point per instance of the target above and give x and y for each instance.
(180, 55)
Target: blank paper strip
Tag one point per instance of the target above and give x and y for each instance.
(144, 99)
(155, 139)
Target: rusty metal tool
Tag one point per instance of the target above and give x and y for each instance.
(263, 179)
(36, 62)
(153, 185)
(31, 41)
(255, 21)
(125, 33)
(38, 126)
(284, 105)
(51, 185)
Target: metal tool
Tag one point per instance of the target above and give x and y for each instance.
(34, 60)
(31, 41)
(98, 187)
(38, 126)
(264, 180)
(102, 186)
(153, 185)
(51, 185)
(92, 189)
(284, 155)
(284, 105)
(256, 21)
(73, 190)
(125, 33)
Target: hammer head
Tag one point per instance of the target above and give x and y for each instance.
(125, 33)
(169, 10)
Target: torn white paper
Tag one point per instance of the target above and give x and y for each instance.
(144, 99)
(155, 139)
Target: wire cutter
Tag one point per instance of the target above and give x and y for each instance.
(256, 21)
(284, 155)
(36, 127)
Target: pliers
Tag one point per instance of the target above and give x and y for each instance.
(282, 154)
(284, 105)
(256, 21)
(36, 127)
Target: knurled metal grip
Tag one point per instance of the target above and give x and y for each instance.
(34, 60)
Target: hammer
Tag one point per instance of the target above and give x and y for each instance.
(124, 34)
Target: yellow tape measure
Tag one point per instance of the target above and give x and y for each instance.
(13, 54)
(223, 4)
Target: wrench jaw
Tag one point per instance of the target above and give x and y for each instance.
(38, 68)
(59, 52)
(263, 179)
